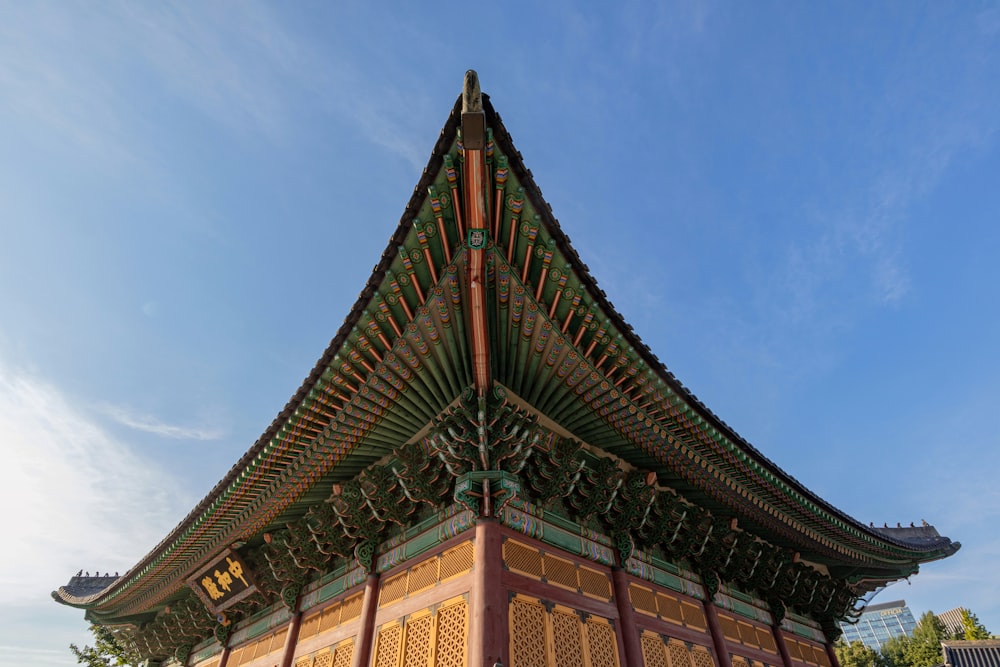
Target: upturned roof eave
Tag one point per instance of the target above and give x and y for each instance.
(204, 507)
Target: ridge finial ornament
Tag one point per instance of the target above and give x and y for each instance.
(473, 117)
(472, 98)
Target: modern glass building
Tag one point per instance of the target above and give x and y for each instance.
(879, 622)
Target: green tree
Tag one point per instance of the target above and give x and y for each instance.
(855, 654)
(924, 649)
(893, 652)
(106, 651)
(972, 628)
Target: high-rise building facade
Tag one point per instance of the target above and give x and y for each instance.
(880, 622)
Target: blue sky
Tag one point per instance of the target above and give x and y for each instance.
(795, 205)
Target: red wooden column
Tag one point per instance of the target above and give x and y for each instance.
(488, 626)
(718, 639)
(292, 638)
(627, 629)
(830, 653)
(225, 656)
(366, 631)
(779, 639)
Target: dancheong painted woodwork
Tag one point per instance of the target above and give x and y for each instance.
(487, 466)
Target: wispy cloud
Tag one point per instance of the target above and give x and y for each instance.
(150, 424)
(82, 499)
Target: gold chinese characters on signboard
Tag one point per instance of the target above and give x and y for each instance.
(223, 582)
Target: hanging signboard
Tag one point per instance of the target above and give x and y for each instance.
(223, 582)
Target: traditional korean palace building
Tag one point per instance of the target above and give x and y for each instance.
(487, 466)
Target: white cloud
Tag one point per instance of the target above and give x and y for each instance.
(75, 497)
(150, 424)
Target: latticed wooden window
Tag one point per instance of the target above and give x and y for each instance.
(388, 645)
(417, 645)
(452, 636)
(456, 561)
(694, 615)
(560, 571)
(522, 558)
(729, 628)
(680, 656)
(324, 659)
(594, 583)
(653, 653)
(740, 661)
(350, 608)
(748, 634)
(331, 617)
(765, 639)
(643, 599)
(567, 643)
(670, 608)
(527, 633)
(310, 625)
(601, 640)
(342, 656)
(304, 661)
(701, 657)
(422, 576)
(393, 589)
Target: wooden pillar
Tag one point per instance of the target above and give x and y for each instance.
(225, 656)
(292, 638)
(779, 639)
(718, 639)
(366, 631)
(627, 629)
(488, 613)
(830, 653)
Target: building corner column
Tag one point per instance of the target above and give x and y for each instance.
(488, 613)
(224, 657)
(627, 629)
(366, 631)
(831, 632)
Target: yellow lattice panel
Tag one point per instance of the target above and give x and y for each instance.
(643, 599)
(310, 625)
(342, 656)
(729, 628)
(278, 641)
(748, 634)
(324, 659)
(560, 572)
(700, 657)
(393, 589)
(653, 653)
(422, 576)
(794, 650)
(567, 642)
(305, 661)
(527, 633)
(452, 634)
(595, 584)
(601, 642)
(456, 561)
(822, 658)
(766, 640)
(694, 615)
(330, 618)
(757, 663)
(522, 558)
(669, 607)
(418, 639)
(387, 646)
(680, 656)
(740, 661)
(350, 608)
